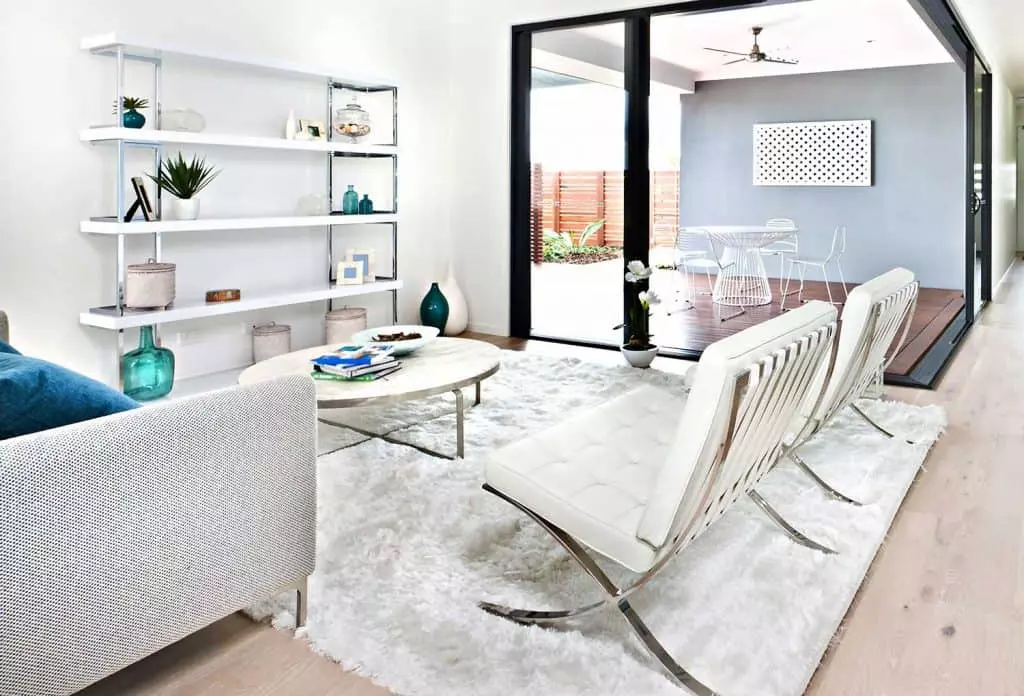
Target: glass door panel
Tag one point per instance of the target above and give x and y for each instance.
(577, 151)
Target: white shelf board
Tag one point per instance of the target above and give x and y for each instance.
(184, 310)
(112, 226)
(152, 136)
(149, 48)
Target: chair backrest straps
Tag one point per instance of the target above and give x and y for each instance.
(876, 319)
(747, 391)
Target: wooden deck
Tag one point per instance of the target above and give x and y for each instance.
(698, 328)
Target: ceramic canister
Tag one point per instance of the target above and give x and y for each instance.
(269, 340)
(342, 323)
(149, 285)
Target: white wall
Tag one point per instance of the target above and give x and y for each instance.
(49, 272)
(1005, 241)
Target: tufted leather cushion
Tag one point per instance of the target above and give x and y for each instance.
(592, 475)
(705, 419)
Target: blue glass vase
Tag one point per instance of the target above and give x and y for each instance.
(365, 205)
(133, 119)
(350, 201)
(148, 370)
(434, 308)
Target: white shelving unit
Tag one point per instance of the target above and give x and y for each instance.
(117, 317)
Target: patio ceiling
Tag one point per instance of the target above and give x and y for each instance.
(824, 35)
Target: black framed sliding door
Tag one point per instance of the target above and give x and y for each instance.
(583, 302)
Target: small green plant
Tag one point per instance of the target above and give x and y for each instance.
(132, 103)
(184, 179)
(562, 247)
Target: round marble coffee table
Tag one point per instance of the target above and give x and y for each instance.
(443, 365)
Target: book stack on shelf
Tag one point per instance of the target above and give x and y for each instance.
(356, 364)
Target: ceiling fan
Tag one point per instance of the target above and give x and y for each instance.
(756, 55)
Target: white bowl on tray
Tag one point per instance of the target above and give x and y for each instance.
(367, 336)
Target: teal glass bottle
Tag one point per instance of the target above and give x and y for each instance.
(434, 308)
(148, 371)
(365, 205)
(350, 201)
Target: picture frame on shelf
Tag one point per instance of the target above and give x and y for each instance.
(141, 201)
(349, 273)
(312, 130)
(365, 258)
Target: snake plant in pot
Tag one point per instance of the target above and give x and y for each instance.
(183, 180)
(638, 350)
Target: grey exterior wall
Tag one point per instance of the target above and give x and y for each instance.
(913, 215)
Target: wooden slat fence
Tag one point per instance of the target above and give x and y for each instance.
(570, 200)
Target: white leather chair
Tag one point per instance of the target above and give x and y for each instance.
(643, 475)
(873, 315)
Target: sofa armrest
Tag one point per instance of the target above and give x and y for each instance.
(121, 535)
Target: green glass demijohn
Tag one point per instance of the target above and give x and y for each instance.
(434, 308)
(350, 201)
(148, 370)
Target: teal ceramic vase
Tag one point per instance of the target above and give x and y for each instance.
(350, 201)
(148, 371)
(133, 119)
(434, 308)
(365, 205)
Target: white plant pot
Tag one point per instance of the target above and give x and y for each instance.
(458, 313)
(639, 358)
(185, 208)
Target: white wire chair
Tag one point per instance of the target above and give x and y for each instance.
(783, 248)
(801, 263)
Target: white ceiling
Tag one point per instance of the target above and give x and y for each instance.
(824, 35)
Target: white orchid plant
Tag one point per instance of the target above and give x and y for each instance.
(638, 274)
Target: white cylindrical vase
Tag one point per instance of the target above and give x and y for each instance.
(343, 323)
(185, 208)
(458, 312)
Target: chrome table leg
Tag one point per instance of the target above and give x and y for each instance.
(460, 428)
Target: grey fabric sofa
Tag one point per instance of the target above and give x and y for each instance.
(121, 535)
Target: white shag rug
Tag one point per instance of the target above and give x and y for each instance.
(408, 543)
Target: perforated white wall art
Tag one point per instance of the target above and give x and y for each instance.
(819, 153)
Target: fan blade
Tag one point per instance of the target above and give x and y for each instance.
(722, 50)
(782, 61)
(734, 62)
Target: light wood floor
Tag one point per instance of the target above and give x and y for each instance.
(941, 612)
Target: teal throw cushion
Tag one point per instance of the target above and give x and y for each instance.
(37, 395)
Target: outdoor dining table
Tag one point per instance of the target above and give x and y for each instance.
(742, 280)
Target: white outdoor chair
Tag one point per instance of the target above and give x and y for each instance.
(641, 476)
(783, 248)
(873, 315)
(801, 263)
(695, 255)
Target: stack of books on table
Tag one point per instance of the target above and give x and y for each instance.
(356, 364)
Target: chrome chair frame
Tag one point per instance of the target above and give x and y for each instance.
(869, 360)
(838, 238)
(782, 248)
(749, 430)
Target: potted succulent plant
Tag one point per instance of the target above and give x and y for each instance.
(184, 180)
(130, 116)
(638, 350)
